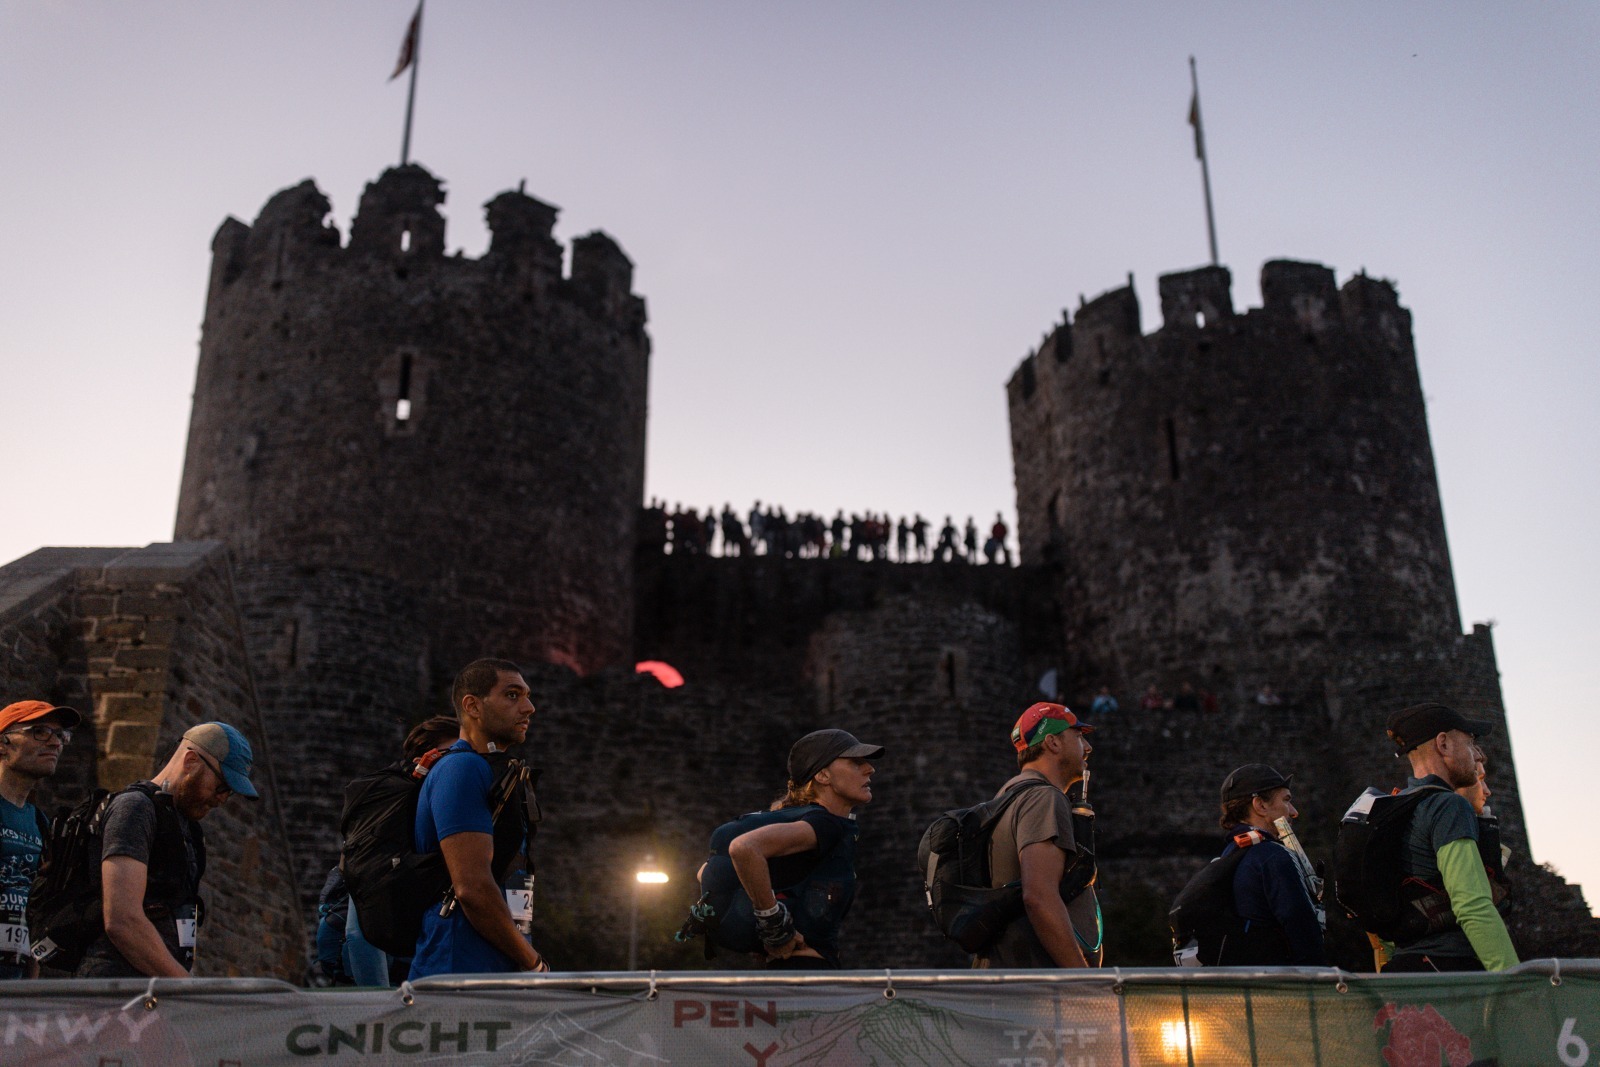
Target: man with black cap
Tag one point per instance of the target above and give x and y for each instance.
(803, 851)
(33, 734)
(1277, 919)
(1043, 842)
(153, 855)
(1439, 849)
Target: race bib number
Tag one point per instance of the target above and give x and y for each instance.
(14, 939)
(520, 901)
(185, 932)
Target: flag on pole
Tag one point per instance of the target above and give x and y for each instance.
(408, 47)
(1194, 120)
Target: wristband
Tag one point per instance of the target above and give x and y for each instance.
(769, 912)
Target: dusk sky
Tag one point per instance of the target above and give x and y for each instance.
(851, 221)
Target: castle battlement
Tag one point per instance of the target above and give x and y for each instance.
(399, 230)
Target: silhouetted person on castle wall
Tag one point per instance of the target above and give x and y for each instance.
(996, 545)
(758, 528)
(1152, 699)
(919, 531)
(946, 549)
(708, 530)
(971, 541)
(1104, 703)
(733, 537)
(653, 528)
(902, 539)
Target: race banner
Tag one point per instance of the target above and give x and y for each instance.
(1546, 1012)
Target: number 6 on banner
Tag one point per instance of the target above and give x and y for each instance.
(1573, 1050)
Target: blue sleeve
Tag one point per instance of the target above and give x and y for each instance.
(1291, 906)
(458, 795)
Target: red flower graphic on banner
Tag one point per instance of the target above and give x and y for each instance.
(1420, 1036)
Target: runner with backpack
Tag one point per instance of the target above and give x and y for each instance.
(1253, 905)
(780, 882)
(475, 811)
(1040, 850)
(1415, 867)
(379, 871)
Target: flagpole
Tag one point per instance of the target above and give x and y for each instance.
(1199, 148)
(411, 92)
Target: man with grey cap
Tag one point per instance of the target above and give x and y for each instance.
(33, 734)
(1277, 921)
(796, 861)
(1439, 850)
(153, 855)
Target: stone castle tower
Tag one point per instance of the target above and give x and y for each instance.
(415, 459)
(1243, 499)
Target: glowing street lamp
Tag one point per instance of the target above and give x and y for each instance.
(647, 874)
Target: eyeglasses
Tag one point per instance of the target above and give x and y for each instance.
(43, 731)
(223, 788)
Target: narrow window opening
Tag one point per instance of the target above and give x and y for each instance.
(1200, 319)
(1172, 448)
(949, 670)
(405, 239)
(291, 636)
(402, 406)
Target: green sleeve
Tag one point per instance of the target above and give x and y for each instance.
(1468, 886)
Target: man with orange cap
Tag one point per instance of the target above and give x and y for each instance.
(1044, 840)
(32, 735)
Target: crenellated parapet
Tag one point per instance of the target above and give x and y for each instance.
(1232, 490)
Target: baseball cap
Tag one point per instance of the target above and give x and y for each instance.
(1252, 779)
(819, 748)
(1410, 727)
(231, 751)
(30, 710)
(1040, 721)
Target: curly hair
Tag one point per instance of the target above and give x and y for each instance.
(796, 794)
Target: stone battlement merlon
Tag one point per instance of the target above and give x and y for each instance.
(399, 222)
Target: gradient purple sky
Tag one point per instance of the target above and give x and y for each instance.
(851, 221)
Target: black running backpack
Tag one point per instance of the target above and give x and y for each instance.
(953, 858)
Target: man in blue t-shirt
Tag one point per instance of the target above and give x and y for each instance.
(479, 935)
(32, 736)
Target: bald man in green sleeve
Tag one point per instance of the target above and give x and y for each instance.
(1441, 848)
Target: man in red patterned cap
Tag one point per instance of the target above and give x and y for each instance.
(1045, 840)
(32, 735)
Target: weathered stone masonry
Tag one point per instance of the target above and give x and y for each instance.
(147, 643)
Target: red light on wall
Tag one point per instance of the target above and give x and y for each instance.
(665, 673)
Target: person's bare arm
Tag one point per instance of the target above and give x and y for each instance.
(469, 857)
(122, 885)
(1042, 866)
(750, 853)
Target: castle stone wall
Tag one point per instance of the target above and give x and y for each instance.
(147, 643)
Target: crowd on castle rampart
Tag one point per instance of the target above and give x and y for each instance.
(771, 531)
